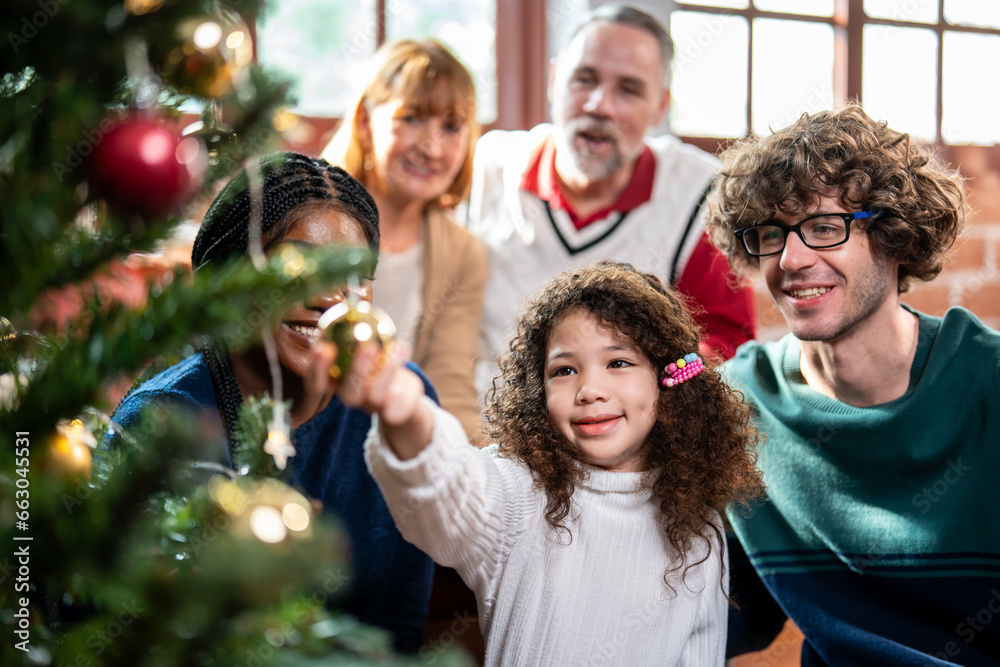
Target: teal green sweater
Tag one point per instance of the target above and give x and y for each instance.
(880, 533)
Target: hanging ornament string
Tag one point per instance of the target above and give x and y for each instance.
(146, 82)
(279, 442)
(353, 290)
(255, 184)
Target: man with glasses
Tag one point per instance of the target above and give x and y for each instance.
(880, 533)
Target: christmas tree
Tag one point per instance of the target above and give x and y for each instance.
(114, 117)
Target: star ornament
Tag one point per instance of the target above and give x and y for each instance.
(279, 446)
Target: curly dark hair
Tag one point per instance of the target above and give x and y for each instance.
(703, 444)
(868, 166)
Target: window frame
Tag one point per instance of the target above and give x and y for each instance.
(848, 23)
(521, 72)
(522, 64)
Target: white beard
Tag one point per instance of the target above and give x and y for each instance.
(586, 165)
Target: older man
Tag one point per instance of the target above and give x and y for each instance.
(592, 186)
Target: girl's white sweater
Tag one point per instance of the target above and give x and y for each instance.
(545, 598)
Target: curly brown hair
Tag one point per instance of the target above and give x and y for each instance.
(703, 444)
(868, 166)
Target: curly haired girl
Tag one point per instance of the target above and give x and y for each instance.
(588, 531)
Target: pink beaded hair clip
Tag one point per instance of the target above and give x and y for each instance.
(683, 370)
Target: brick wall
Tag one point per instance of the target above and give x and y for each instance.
(971, 278)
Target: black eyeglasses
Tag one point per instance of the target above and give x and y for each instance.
(823, 230)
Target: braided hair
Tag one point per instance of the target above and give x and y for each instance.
(289, 180)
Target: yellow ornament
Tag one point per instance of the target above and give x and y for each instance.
(8, 334)
(140, 7)
(212, 55)
(69, 450)
(348, 325)
(267, 509)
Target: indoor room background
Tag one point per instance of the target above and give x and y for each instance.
(740, 66)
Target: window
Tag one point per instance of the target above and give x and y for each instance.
(769, 61)
(326, 45)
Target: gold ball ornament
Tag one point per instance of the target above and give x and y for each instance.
(267, 509)
(212, 55)
(268, 533)
(348, 325)
(70, 450)
(8, 335)
(140, 7)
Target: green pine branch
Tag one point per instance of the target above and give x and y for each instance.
(56, 104)
(231, 303)
(136, 565)
(37, 265)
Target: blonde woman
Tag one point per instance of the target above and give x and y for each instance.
(409, 139)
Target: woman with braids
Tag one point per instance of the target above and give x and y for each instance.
(591, 531)
(305, 202)
(409, 140)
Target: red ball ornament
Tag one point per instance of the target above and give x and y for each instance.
(144, 166)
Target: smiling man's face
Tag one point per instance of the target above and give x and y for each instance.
(825, 294)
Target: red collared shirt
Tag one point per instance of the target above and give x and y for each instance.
(726, 308)
(541, 180)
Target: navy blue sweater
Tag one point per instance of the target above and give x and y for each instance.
(390, 578)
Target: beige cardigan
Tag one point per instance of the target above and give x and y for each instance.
(455, 268)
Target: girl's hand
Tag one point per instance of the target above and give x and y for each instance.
(379, 382)
(317, 380)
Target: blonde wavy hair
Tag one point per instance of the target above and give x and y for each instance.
(866, 165)
(411, 70)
